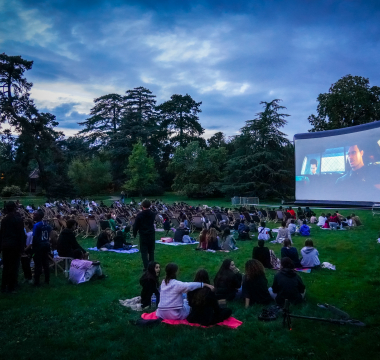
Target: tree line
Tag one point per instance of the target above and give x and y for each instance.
(131, 143)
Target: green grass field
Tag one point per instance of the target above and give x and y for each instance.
(63, 321)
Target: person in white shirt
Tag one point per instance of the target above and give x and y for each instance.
(83, 270)
(264, 232)
(292, 227)
(172, 305)
(309, 255)
(283, 233)
(321, 220)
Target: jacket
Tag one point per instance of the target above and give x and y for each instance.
(149, 287)
(309, 257)
(304, 230)
(292, 254)
(67, 243)
(144, 225)
(287, 284)
(263, 255)
(227, 285)
(12, 233)
(256, 290)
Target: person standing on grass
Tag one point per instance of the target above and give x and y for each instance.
(41, 248)
(144, 225)
(12, 244)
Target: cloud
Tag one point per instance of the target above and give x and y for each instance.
(229, 55)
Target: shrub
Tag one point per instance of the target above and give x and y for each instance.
(12, 190)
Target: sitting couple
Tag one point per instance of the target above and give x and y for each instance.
(119, 243)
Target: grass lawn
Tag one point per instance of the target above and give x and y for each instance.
(63, 321)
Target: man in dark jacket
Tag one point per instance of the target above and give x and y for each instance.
(180, 232)
(12, 244)
(144, 224)
(67, 243)
(287, 284)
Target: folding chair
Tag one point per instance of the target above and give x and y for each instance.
(66, 265)
(93, 228)
(197, 222)
(83, 224)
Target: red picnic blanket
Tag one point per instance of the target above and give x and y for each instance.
(231, 322)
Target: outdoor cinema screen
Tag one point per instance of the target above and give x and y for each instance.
(339, 165)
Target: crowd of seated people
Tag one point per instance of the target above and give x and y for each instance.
(337, 221)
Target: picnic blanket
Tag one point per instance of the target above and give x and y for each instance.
(175, 243)
(231, 322)
(133, 250)
(304, 270)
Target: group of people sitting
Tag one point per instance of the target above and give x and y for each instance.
(309, 255)
(336, 220)
(202, 303)
(210, 240)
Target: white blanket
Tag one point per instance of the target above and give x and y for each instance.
(117, 251)
(175, 243)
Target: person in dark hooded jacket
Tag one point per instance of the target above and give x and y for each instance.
(180, 232)
(67, 243)
(287, 284)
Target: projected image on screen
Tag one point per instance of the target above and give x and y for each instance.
(344, 167)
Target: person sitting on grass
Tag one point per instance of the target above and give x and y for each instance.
(227, 281)
(334, 221)
(229, 242)
(304, 229)
(172, 305)
(119, 242)
(104, 239)
(287, 284)
(205, 309)
(322, 220)
(212, 240)
(255, 284)
(243, 231)
(283, 233)
(356, 220)
(309, 255)
(264, 232)
(203, 239)
(262, 254)
(83, 270)
(215, 226)
(292, 227)
(180, 232)
(150, 285)
(291, 252)
(252, 227)
(67, 242)
(166, 224)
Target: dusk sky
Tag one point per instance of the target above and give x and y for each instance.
(228, 54)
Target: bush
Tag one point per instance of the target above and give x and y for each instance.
(12, 190)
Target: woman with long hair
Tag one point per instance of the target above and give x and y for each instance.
(255, 284)
(229, 243)
(212, 240)
(149, 283)
(227, 281)
(203, 239)
(205, 309)
(172, 306)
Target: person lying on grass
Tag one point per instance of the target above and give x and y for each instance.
(291, 252)
(205, 309)
(83, 270)
(287, 284)
(309, 255)
(172, 306)
(149, 283)
(255, 284)
(228, 281)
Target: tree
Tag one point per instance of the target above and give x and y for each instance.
(261, 164)
(140, 170)
(180, 117)
(217, 140)
(90, 176)
(197, 170)
(105, 119)
(349, 102)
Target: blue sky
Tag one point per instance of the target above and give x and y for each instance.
(228, 54)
